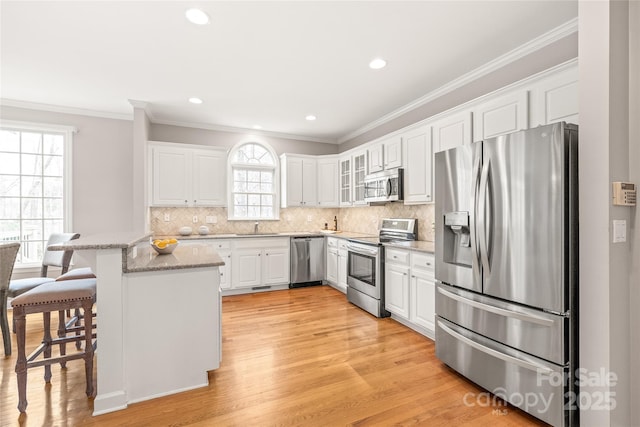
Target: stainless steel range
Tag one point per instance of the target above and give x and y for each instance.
(365, 265)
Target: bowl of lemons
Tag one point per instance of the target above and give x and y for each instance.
(164, 246)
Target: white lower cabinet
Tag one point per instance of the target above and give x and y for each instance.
(396, 281)
(343, 256)
(336, 263)
(225, 270)
(259, 262)
(423, 303)
(410, 289)
(332, 266)
(275, 269)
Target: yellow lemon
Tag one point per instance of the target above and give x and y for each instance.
(161, 244)
(173, 241)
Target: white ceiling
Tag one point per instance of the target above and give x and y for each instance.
(257, 63)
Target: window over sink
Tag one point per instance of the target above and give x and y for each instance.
(253, 182)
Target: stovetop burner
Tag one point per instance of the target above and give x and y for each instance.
(392, 230)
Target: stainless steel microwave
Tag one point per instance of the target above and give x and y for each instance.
(385, 186)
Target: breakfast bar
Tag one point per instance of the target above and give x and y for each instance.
(159, 327)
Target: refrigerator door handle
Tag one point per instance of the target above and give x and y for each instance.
(485, 218)
(474, 217)
(540, 369)
(497, 310)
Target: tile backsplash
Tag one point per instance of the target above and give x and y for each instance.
(363, 219)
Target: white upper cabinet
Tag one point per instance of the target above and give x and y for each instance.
(185, 176)
(328, 181)
(501, 115)
(359, 172)
(386, 154)
(392, 152)
(345, 168)
(418, 162)
(208, 169)
(299, 181)
(555, 98)
(375, 155)
(451, 131)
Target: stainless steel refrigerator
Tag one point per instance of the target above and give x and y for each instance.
(506, 268)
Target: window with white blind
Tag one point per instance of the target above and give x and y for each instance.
(253, 182)
(35, 182)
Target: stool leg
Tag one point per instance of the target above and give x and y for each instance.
(21, 363)
(88, 346)
(62, 333)
(77, 316)
(4, 324)
(46, 340)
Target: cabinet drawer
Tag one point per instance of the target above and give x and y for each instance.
(397, 256)
(422, 261)
(221, 244)
(332, 242)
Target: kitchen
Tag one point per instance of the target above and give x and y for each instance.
(110, 195)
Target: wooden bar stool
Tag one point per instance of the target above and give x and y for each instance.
(54, 296)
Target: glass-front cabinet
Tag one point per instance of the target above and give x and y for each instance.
(345, 181)
(359, 172)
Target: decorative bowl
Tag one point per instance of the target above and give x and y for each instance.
(203, 230)
(185, 231)
(164, 247)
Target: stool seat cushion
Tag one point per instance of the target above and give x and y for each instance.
(58, 292)
(77, 273)
(20, 286)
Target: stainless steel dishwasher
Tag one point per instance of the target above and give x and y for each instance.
(307, 261)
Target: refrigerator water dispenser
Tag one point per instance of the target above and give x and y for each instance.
(457, 238)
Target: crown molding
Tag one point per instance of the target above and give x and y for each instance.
(63, 109)
(233, 129)
(521, 51)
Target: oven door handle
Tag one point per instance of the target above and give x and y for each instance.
(361, 250)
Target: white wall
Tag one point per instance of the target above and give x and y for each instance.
(604, 157)
(102, 168)
(634, 176)
(169, 133)
(556, 53)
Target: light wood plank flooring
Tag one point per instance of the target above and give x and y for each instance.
(302, 357)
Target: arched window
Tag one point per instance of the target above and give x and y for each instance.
(253, 182)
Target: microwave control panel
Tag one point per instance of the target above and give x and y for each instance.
(624, 194)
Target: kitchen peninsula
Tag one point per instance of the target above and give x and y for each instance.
(158, 317)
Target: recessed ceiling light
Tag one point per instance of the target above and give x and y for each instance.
(196, 16)
(195, 100)
(258, 127)
(377, 63)
(311, 117)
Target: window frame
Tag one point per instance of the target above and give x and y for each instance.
(232, 166)
(67, 172)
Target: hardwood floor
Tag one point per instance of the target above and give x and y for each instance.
(301, 357)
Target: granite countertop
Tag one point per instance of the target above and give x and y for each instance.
(186, 255)
(415, 245)
(339, 234)
(118, 240)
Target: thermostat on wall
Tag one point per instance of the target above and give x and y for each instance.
(624, 194)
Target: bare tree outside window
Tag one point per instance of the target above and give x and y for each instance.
(32, 196)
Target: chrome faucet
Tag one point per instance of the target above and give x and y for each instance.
(255, 228)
